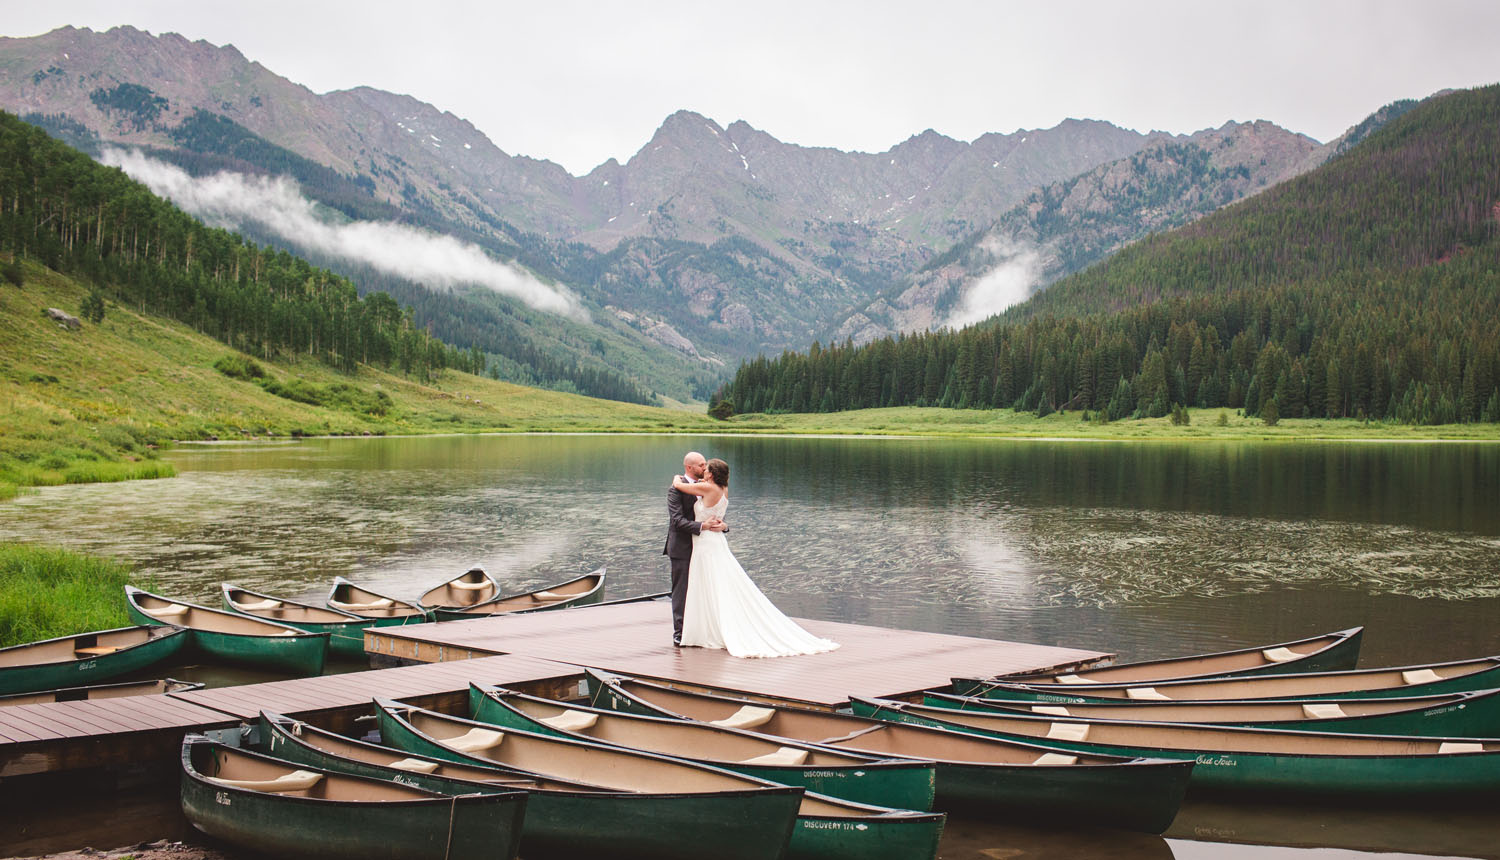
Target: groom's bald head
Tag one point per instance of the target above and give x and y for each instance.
(694, 465)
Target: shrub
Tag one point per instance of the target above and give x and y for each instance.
(92, 308)
(12, 273)
(723, 410)
(240, 367)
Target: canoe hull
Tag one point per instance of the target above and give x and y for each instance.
(345, 638)
(77, 673)
(481, 826)
(1438, 778)
(302, 654)
(730, 825)
(887, 783)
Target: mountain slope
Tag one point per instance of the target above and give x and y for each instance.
(1369, 287)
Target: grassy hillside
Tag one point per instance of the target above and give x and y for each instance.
(94, 404)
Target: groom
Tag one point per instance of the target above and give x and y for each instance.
(680, 531)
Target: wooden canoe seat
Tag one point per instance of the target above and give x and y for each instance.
(1074, 679)
(470, 586)
(382, 603)
(171, 610)
(1328, 711)
(783, 757)
(1145, 694)
(548, 595)
(1420, 676)
(1449, 747)
(415, 765)
(476, 740)
(572, 721)
(1279, 655)
(1068, 731)
(256, 606)
(747, 717)
(95, 651)
(297, 780)
(1056, 759)
(1051, 710)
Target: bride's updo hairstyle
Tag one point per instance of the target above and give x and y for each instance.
(720, 470)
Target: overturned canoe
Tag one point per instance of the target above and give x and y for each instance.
(579, 591)
(1472, 714)
(684, 811)
(823, 827)
(121, 690)
(894, 783)
(467, 589)
(345, 596)
(277, 808)
(1279, 765)
(1017, 781)
(1423, 680)
(346, 631)
(87, 658)
(1330, 652)
(233, 638)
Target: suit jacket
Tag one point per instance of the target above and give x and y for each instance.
(680, 524)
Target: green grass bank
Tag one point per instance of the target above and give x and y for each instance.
(47, 592)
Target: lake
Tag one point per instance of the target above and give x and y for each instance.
(1146, 549)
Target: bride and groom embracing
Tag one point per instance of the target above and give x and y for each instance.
(714, 602)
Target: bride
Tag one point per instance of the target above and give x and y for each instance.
(724, 608)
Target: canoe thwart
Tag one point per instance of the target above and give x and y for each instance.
(297, 780)
(747, 717)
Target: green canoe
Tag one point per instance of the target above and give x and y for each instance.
(233, 638)
(1473, 714)
(823, 828)
(893, 783)
(87, 658)
(277, 808)
(686, 814)
(1423, 680)
(1329, 652)
(1279, 765)
(346, 631)
(471, 587)
(345, 596)
(1015, 781)
(579, 591)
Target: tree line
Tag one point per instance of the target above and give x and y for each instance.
(61, 208)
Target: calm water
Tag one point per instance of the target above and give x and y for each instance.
(1144, 549)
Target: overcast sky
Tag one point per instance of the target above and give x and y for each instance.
(580, 82)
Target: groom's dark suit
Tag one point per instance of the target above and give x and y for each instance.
(679, 550)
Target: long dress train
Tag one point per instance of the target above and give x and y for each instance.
(726, 610)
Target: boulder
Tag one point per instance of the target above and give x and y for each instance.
(64, 319)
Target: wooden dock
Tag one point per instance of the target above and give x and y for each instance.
(541, 652)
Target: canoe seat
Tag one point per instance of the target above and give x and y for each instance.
(1327, 711)
(256, 606)
(572, 721)
(288, 633)
(297, 780)
(470, 586)
(1447, 747)
(95, 651)
(747, 717)
(1051, 710)
(415, 765)
(476, 740)
(1068, 731)
(1279, 655)
(1074, 679)
(548, 595)
(783, 757)
(1146, 694)
(382, 603)
(1056, 759)
(171, 610)
(1420, 676)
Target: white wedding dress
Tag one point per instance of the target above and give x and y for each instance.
(724, 608)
